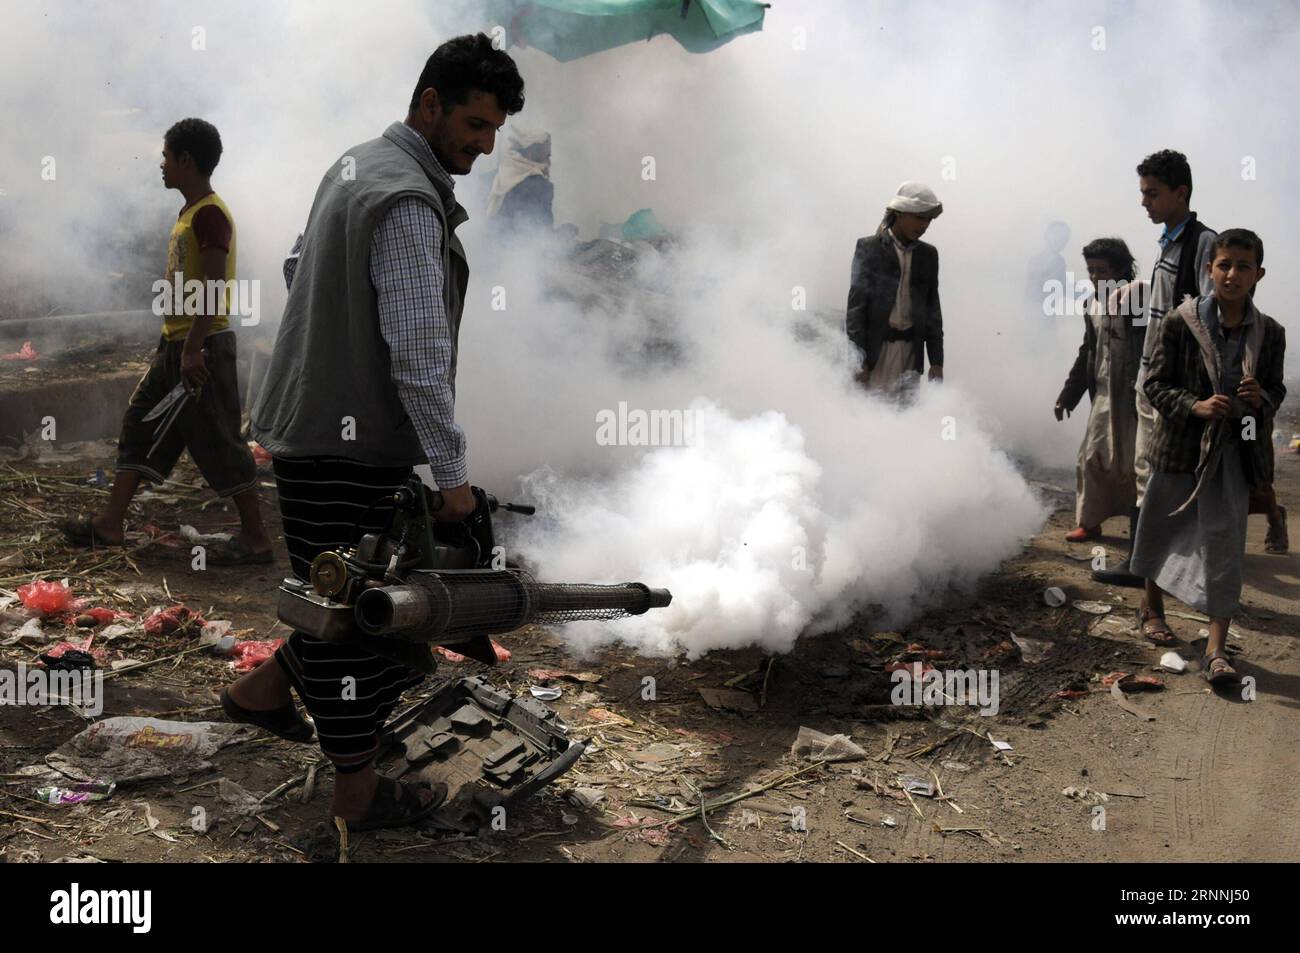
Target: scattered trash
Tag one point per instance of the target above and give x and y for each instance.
(815, 746)
(954, 766)
(1130, 683)
(1054, 596)
(214, 631)
(1000, 745)
(586, 798)
(151, 824)
(194, 537)
(65, 657)
(238, 799)
(128, 748)
(119, 664)
(568, 820)
(658, 753)
(46, 598)
(96, 616)
(1111, 625)
(1032, 651)
(608, 717)
(98, 479)
(250, 654)
(547, 674)
(31, 629)
(502, 653)
(1072, 693)
(1093, 608)
(1118, 694)
(914, 785)
(1141, 683)
(1173, 662)
(77, 793)
(728, 699)
(24, 353)
(171, 620)
(887, 820)
(1087, 795)
(545, 693)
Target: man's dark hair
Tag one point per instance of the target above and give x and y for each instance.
(1241, 238)
(1115, 253)
(467, 63)
(1169, 167)
(200, 139)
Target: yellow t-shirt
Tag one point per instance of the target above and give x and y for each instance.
(183, 260)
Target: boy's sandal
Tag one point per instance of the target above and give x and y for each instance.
(1217, 669)
(1081, 534)
(83, 533)
(1156, 630)
(233, 552)
(398, 805)
(284, 722)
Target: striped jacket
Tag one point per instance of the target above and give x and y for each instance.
(1180, 375)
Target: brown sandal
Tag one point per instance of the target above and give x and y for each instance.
(1155, 629)
(1223, 674)
(397, 805)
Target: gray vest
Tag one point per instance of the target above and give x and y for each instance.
(330, 361)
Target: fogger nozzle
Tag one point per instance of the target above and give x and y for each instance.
(433, 605)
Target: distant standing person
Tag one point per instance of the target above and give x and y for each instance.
(196, 352)
(1106, 369)
(893, 318)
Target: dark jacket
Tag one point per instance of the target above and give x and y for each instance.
(1083, 375)
(873, 288)
(1188, 281)
(1178, 378)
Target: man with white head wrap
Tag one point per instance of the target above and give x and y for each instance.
(893, 315)
(522, 192)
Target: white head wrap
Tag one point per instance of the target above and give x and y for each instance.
(527, 152)
(917, 198)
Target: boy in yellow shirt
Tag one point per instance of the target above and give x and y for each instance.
(196, 353)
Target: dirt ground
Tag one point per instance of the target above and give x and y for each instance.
(1209, 777)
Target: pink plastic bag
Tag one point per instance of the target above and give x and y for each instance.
(502, 653)
(248, 655)
(24, 353)
(47, 598)
(172, 619)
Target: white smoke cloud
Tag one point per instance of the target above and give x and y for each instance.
(774, 159)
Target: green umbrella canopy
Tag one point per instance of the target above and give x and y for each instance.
(569, 29)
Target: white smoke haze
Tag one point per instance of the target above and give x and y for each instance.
(771, 160)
